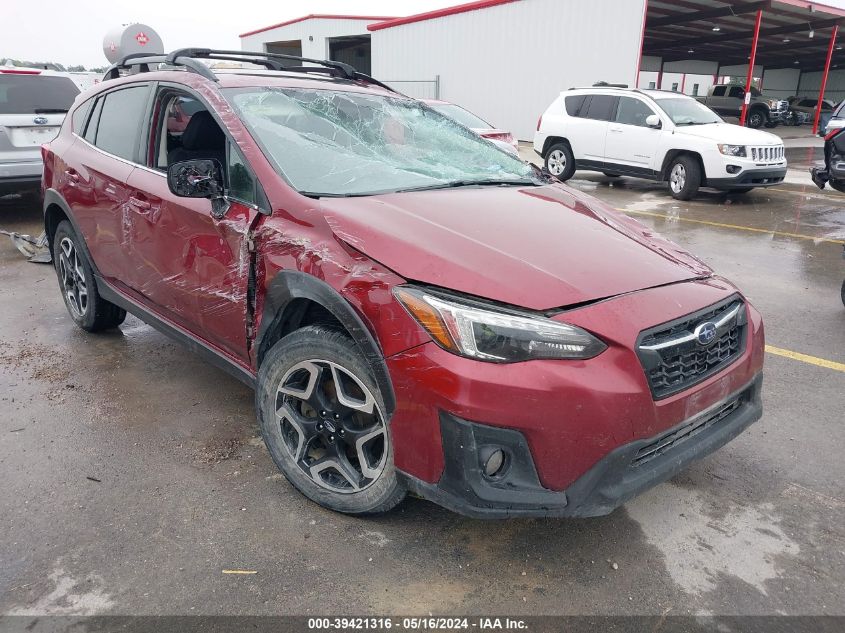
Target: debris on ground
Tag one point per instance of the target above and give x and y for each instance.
(35, 249)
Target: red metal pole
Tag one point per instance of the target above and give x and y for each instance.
(660, 77)
(642, 43)
(751, 60)
(824, 78)
(683, 82)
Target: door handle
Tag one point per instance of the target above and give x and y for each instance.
(143, 205)
(616, 129)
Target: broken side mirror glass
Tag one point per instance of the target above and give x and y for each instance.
(199, 178)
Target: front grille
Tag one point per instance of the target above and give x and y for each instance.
(773, 154)
(679, 435)
(674, 358)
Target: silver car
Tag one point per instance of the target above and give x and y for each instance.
(33, 104)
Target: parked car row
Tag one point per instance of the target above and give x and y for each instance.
(417, 309)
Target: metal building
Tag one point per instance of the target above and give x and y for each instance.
(506, 60)
(343, 38)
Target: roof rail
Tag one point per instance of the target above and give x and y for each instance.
(188, 58)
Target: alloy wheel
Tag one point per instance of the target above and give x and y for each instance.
(74, 283)
(557, 162)
(677, 178)
(332, 426)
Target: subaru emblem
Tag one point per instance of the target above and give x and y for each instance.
(40, 120)
(705, 333)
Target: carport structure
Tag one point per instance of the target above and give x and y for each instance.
(773, 34)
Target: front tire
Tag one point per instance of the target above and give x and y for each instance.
(684, 178)
(79, 289)
(322, 418)
(560, 162)
(756, 119)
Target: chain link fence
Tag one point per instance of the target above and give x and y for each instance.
(417, 88)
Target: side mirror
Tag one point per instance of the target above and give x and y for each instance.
(652, 120)
(199, 178)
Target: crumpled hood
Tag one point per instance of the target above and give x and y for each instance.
(536, 247)
(730, 133)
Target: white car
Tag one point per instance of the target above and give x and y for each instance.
(659, 135)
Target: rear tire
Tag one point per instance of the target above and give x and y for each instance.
(79, 288)
(684, 177)
(560, 162)
(322, 418)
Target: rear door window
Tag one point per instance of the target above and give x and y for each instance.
(36, 94)
(119, 125)
(601, 107)
(736, 92)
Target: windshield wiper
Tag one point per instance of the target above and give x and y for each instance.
(492, 182)
(50, 110)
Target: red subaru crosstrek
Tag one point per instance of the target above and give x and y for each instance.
(417, 309)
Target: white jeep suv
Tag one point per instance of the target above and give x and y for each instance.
(659, 135)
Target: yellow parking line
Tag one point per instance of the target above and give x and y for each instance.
(804, 358)
(737, 227)
(239, 571)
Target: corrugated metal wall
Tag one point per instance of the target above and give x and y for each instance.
(319, 29)
(507, 63)
(811, 82)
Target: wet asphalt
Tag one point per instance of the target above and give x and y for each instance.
(132, 476)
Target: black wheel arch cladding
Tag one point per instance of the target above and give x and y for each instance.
(290, 285)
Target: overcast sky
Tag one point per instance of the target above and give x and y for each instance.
(72, 32)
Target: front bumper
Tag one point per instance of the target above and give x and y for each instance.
(568, 415)
(750, 178)
(621, 475)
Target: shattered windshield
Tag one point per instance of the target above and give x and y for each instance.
(336, 143)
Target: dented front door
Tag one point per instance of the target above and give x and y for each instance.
(190, 266)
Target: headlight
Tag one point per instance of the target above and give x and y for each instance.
(495, 335)
(732, 150)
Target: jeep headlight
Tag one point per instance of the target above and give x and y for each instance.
(497, 335)
(732, 150)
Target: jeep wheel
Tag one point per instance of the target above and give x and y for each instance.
(560, 162)
(684, 178)
(756, 119)
(322, 418)
(79, 289)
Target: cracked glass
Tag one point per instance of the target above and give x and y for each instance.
(339, 143)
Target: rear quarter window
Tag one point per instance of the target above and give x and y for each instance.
(574, 103)
(80, 115)
(36, 94)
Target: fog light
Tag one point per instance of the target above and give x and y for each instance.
(495, 462)
(734, 169)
